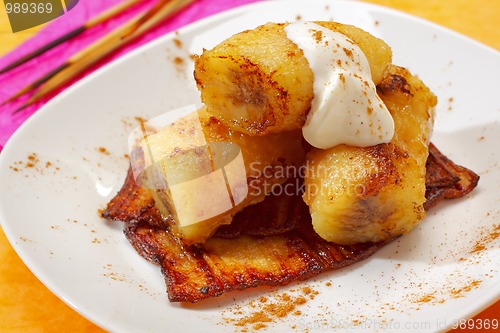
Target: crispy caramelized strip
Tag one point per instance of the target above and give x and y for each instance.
(134, 204)
(193, 273)
(445, 179)
(280, 216)
(271, 243)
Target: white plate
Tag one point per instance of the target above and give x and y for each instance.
(49, 212)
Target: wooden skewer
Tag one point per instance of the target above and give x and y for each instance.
(106, 15)
(36, 84)
(111, 42)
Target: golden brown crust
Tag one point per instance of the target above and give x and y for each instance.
(393, 83)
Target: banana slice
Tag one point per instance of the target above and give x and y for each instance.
(259, 82)
(371, 194)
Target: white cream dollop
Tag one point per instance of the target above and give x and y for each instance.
(346, 108)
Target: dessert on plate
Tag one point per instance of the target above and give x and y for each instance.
(320, 144)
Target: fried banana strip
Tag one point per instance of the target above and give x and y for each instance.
(445, 179)
(262, 246)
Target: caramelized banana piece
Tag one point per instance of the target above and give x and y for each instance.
(375, 193)
(259, 82)
(261, 156)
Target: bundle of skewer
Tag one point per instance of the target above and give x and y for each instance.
(79, 62)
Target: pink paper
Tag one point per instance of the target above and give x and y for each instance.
(17, 78)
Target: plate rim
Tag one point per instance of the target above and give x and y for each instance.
(222, 16)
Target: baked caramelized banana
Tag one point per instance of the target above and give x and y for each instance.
(368, 194)
(260, 156)
(259, 82)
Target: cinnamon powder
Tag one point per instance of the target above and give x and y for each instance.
(267, 309)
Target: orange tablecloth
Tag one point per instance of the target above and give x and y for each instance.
(28, 306)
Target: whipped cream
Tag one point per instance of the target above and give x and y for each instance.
(346, 108)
